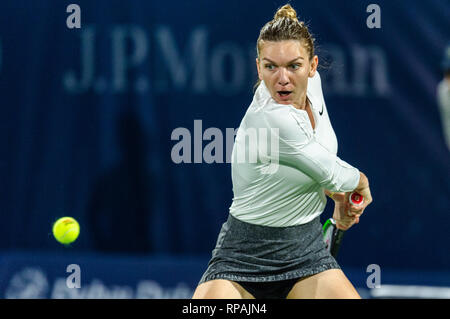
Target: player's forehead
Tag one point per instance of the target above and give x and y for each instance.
(282, 52)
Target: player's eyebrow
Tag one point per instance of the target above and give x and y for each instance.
(299, 57)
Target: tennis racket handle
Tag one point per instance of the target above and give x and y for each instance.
(356, 199)
(332, 237)
(336, 242)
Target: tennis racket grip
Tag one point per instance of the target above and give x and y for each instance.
(336, 241)
(332, 237)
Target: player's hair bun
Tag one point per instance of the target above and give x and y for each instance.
(286, 11)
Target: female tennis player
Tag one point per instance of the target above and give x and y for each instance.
(271, 245)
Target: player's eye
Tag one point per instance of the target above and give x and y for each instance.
(269, 66)
(295, 66)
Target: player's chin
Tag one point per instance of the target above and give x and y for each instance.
(285, 102)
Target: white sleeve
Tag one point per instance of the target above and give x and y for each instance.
(298, 149)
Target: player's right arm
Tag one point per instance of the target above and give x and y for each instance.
(299, 149)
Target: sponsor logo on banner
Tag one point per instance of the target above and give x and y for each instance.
(140, 61)
(34, 283)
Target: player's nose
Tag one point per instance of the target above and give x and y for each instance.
(283, 78)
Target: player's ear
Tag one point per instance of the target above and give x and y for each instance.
(313, 66)
(258, 69)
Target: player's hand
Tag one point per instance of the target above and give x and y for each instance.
(357, 211)
(364, 190)
(340, 214)
(345, 214)
(343, 220)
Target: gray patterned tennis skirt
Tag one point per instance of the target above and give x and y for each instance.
(247, 252)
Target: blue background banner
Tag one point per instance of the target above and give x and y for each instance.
(87, 121)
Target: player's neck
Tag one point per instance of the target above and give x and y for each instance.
(302, 104)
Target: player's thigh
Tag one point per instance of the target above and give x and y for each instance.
(221, 289)
(330, 284)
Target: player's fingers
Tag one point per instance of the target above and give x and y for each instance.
(345, 224)
(368, 199)
(342, 224)
(356, 212)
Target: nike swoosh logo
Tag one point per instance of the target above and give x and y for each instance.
(321, 112)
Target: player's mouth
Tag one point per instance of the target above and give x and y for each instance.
(284, 95)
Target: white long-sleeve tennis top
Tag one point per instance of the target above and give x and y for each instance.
(281, 165)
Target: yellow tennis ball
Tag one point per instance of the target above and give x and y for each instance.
(66, 230)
